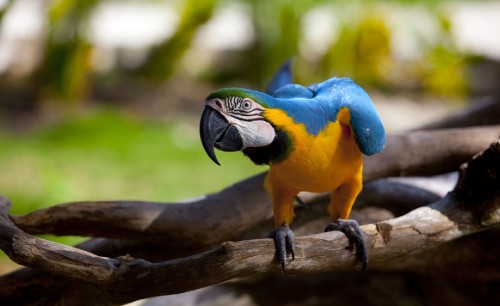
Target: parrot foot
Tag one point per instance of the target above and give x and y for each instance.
(283, 241)
(355, 236)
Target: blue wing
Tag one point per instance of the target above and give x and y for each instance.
(365, 121)
(281, 78)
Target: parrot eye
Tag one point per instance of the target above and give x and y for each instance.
(246, 105)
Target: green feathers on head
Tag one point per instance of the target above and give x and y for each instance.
(259, 97)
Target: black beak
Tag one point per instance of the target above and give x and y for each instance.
(215, 131)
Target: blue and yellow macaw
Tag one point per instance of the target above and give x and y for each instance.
(312, 138)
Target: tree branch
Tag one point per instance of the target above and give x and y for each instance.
(45, 288)
(221, 216)
(459, 213)
(421, 153)
(484, 111)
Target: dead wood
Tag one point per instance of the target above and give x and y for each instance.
(224, 215)
(460, 213)
(30, 287)
(480, 112)
(461, 272)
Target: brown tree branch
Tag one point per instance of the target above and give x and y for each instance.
(460, 213)
(234, 210)
(461, 272)
(49, 289)
(32, 286)
(199, 221)
(422, 153)
(484, 111)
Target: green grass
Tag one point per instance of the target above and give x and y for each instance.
(107, 155)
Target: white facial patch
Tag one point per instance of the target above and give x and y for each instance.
(258, 133)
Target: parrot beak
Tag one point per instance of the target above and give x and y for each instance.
(215, 131)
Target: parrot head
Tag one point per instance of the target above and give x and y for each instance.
(233, 120)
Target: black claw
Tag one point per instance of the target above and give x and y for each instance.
(283, 241)
(355, 236)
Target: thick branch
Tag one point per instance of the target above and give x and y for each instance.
(422, 153)
(15, 285)
(485, 111)
(224, 215)
(454, 216)
(199, 221)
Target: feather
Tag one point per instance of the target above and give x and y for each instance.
(281, 78)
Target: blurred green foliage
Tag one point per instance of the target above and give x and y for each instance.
(361, 52)
(65, 71)
(164, 58)
(277, 25)
(443, 66)
(105, 154)
(6, 7)
(361, 48)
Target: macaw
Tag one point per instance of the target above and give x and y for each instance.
(313, 139)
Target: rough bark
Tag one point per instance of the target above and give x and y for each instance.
(484, 111)
(472, 253)
(221, 216)
(462, 272)
(470, 208)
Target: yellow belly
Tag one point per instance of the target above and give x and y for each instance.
(318, 163)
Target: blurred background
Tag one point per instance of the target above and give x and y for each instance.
(101, 99)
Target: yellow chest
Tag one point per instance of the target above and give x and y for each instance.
(318, 163)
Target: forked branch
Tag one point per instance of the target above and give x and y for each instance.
(127, 279)
(224, 215)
